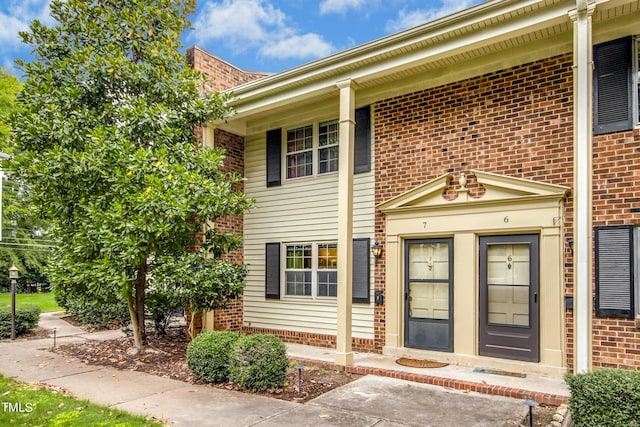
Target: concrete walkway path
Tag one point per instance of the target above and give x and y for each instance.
(369, 401)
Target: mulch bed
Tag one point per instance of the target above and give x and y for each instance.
(165, 357)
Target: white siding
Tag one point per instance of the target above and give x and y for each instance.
(300, 210)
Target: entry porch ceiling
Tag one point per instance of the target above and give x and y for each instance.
(499, 32)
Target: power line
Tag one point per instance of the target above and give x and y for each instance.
(24, 245)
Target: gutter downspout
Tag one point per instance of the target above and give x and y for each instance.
(582, 203)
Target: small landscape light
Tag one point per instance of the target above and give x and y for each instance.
(300, 367)
(14, 274)
(531, 404)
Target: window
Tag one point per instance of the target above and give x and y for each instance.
(300, 152)
(327, 270)
(299, 269)
(301, 146)
(313, 149)
(311, 266)
(310, 270)
(328, 147)
(616, 85)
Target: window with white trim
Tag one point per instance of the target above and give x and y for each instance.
(328, 146)
(311, 270)
(327, 270)
(300, 152)
(312, 144)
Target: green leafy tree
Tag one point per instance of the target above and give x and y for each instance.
(24, 241)
(105, 138)
(9, 87)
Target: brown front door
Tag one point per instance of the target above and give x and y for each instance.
(509, 286)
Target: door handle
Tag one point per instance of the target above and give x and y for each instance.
(535, 297)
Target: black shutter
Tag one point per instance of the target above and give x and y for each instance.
(274, 157)
(362, 143)
(272, 270)
(614, 271)
(360, 277)
(613, 108)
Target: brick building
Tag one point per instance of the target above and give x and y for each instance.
(493, 156)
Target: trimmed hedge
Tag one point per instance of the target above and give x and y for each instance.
(209, 355)
(27, 318)
(260, 362)
(606, 397)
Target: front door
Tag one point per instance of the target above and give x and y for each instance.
(429, 294)
(509, 312)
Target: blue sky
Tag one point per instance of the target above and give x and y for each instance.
(262, 35)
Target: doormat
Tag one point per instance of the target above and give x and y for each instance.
(414, 363)
(499, 372)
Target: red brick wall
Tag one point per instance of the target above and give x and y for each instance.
(516, 122)
(317, 340)
(222, 75)
(231, 317)
(616, 190)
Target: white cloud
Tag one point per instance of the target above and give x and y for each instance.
(298, 47)
(15, 16)
(256, 24)
(408, 19)
(9, 28)
(339, 6)
(240, 22)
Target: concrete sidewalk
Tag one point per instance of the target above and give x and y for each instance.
(371, 400)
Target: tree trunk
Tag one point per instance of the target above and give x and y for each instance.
(192, 331)
(136, 309)
(137, 338)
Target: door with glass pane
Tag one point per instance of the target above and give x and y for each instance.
(429, 294)
(509, 311)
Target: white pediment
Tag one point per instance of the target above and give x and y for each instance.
(494, 189)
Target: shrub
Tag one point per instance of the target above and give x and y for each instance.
(93, 311)
(162, 304)
(209, 355)
(27, 318)
(260, 362)
(608, 397)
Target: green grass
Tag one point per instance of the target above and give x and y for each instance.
(26, 405)
(44, 300)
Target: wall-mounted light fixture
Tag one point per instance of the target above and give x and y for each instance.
(376, 250)
(570, 242)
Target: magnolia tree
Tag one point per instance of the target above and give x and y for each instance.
(105, 139)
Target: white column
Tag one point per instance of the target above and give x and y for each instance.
(344, 354)
(582, 204)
